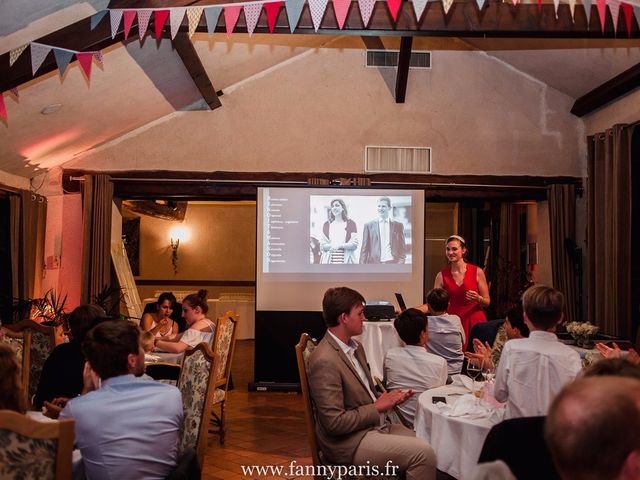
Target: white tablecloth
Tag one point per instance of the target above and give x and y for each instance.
(164, 357)
(457, 441)
(377, 338)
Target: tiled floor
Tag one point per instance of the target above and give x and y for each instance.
(262, 428)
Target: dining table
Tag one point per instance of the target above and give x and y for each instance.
(457, 424)
(376, 339)
(164, 357)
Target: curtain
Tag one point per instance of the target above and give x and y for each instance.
(609, 230)
(562, 223)
(96, 247)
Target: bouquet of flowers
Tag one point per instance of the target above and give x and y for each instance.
(582, 332)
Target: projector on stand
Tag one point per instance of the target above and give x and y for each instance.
(379, 310)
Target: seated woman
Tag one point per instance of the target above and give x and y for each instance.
(62, 371)
(201, 329)
(160, 323)
(11, 396)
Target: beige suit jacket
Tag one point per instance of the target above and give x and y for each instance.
(344, 408)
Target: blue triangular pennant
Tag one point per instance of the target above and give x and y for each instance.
(95, 19)
(212, 14)
(294, 10)
(63, 57)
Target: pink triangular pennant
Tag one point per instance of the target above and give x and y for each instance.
(251, 14)
(129, 16)
(160, 19)
(628, 16)
(115, 15)
(539, 6)
(3, 109)
(85, 59)
(272, 9)
(175, 19)
(317, 8)
(614, 8)
(366, 8)
(143, 22)
(231, 14)
(98, 56)
(514, 2)
(394, 8)
(341, 8)
(602, 12)
(14, 90)
(38, 53)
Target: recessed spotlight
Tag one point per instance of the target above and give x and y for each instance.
(49, 109)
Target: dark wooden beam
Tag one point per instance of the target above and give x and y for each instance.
(191, 60)
(402, 75)
(497, 19)
(607, 92)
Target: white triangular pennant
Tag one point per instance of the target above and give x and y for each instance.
(556, 4)
(614, 8)
(193, 17)
(251, 14)
(115, 16)
(446, 4)
(317, 8)
(212, 14)
(366, 8)
(38, 53)
(175, 19)
(572, 7)
(636, 12)
(16, 52)
(587, 10)
(294, 10)
(418, 8)
(143, 22)
(480, 4)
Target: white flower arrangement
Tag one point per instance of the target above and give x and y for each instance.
(581, 328)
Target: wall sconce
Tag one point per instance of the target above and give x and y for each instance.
(177, 234)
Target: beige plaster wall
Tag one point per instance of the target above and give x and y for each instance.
(317, 111)
(625, 110)
(13, 181)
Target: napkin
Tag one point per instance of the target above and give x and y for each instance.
(466, 406)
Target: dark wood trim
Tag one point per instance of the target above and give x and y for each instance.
(402, 75)
(607, 92)
(187, 283)
(187, 52)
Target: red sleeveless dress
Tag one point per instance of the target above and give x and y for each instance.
(469, 311)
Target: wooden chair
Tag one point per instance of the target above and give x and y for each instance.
(196, 383)
(224, 345)
(43, 341)
(33, 449)
(21, 344)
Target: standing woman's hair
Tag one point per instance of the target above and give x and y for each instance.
(167, 296)
(198, 300)
(11, 388)
(345, 215)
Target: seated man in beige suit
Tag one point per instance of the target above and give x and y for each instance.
(352, 429)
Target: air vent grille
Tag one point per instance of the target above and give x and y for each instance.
(397, 159)
(389, 58)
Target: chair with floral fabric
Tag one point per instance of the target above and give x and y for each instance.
(34, 450)
(20, 342)
(224, 345)
(196, 383)
(43, 341)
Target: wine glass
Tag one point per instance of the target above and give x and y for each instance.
(489, 372)
(474, 371)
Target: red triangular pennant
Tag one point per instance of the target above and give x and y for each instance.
(341, 7)
(231, 14)
(602, 12)
(3, 109)
(160, 20)
(272, 9)
(394, 8)
(628, 16)
(129, 16)
(85, 59)
(539, 6)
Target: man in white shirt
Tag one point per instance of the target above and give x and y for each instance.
(411, 366)
(533, 370)
(383, 239)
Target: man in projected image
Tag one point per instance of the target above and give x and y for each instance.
(383, 238)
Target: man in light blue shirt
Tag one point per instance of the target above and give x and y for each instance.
(127, 427)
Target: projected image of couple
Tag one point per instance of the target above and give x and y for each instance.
(360, 229)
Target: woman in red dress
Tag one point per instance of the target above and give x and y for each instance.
(466, 285)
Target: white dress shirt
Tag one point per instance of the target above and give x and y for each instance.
(385, 241)
(532, 371)
(415, 368)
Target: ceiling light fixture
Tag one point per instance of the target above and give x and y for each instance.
(49, 109)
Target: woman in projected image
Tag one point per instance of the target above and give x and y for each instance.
(466, 285)
(340, 238)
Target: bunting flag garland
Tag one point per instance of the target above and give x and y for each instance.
(143, 22)
(85, 59)
(572, 7)
(420, 5)
(160, 21)
(636, 11)
(212, 15)
(317, 8)
(366, 9)
(341, 8)
(231, 14)
(514, 2)
(129, 16)
(480, 4)
(556, 4)
(252, 12)
(3, 109)
(394, 8)
(587, 10)
(294, 10)
(628, 16)
(115, 17)
(272, 10)
(175, 20)
(98, 56)
(602, 12)
(539, 6)
(14, 90)
(446, 4)
(63, 57)
(16, 52)
(95, 18)
(193, 17)
(38, 53)
(614, 8)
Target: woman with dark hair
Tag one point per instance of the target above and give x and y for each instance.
(466, 285)
(339, 240)
(11, 394)
(160, 323)
(201, 329)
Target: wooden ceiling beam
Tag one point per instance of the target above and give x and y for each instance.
(497, 19)
(402, 75)
(607, 92)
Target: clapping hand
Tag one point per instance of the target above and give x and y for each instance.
(608, 352)
(390, 399)
(481, 354)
